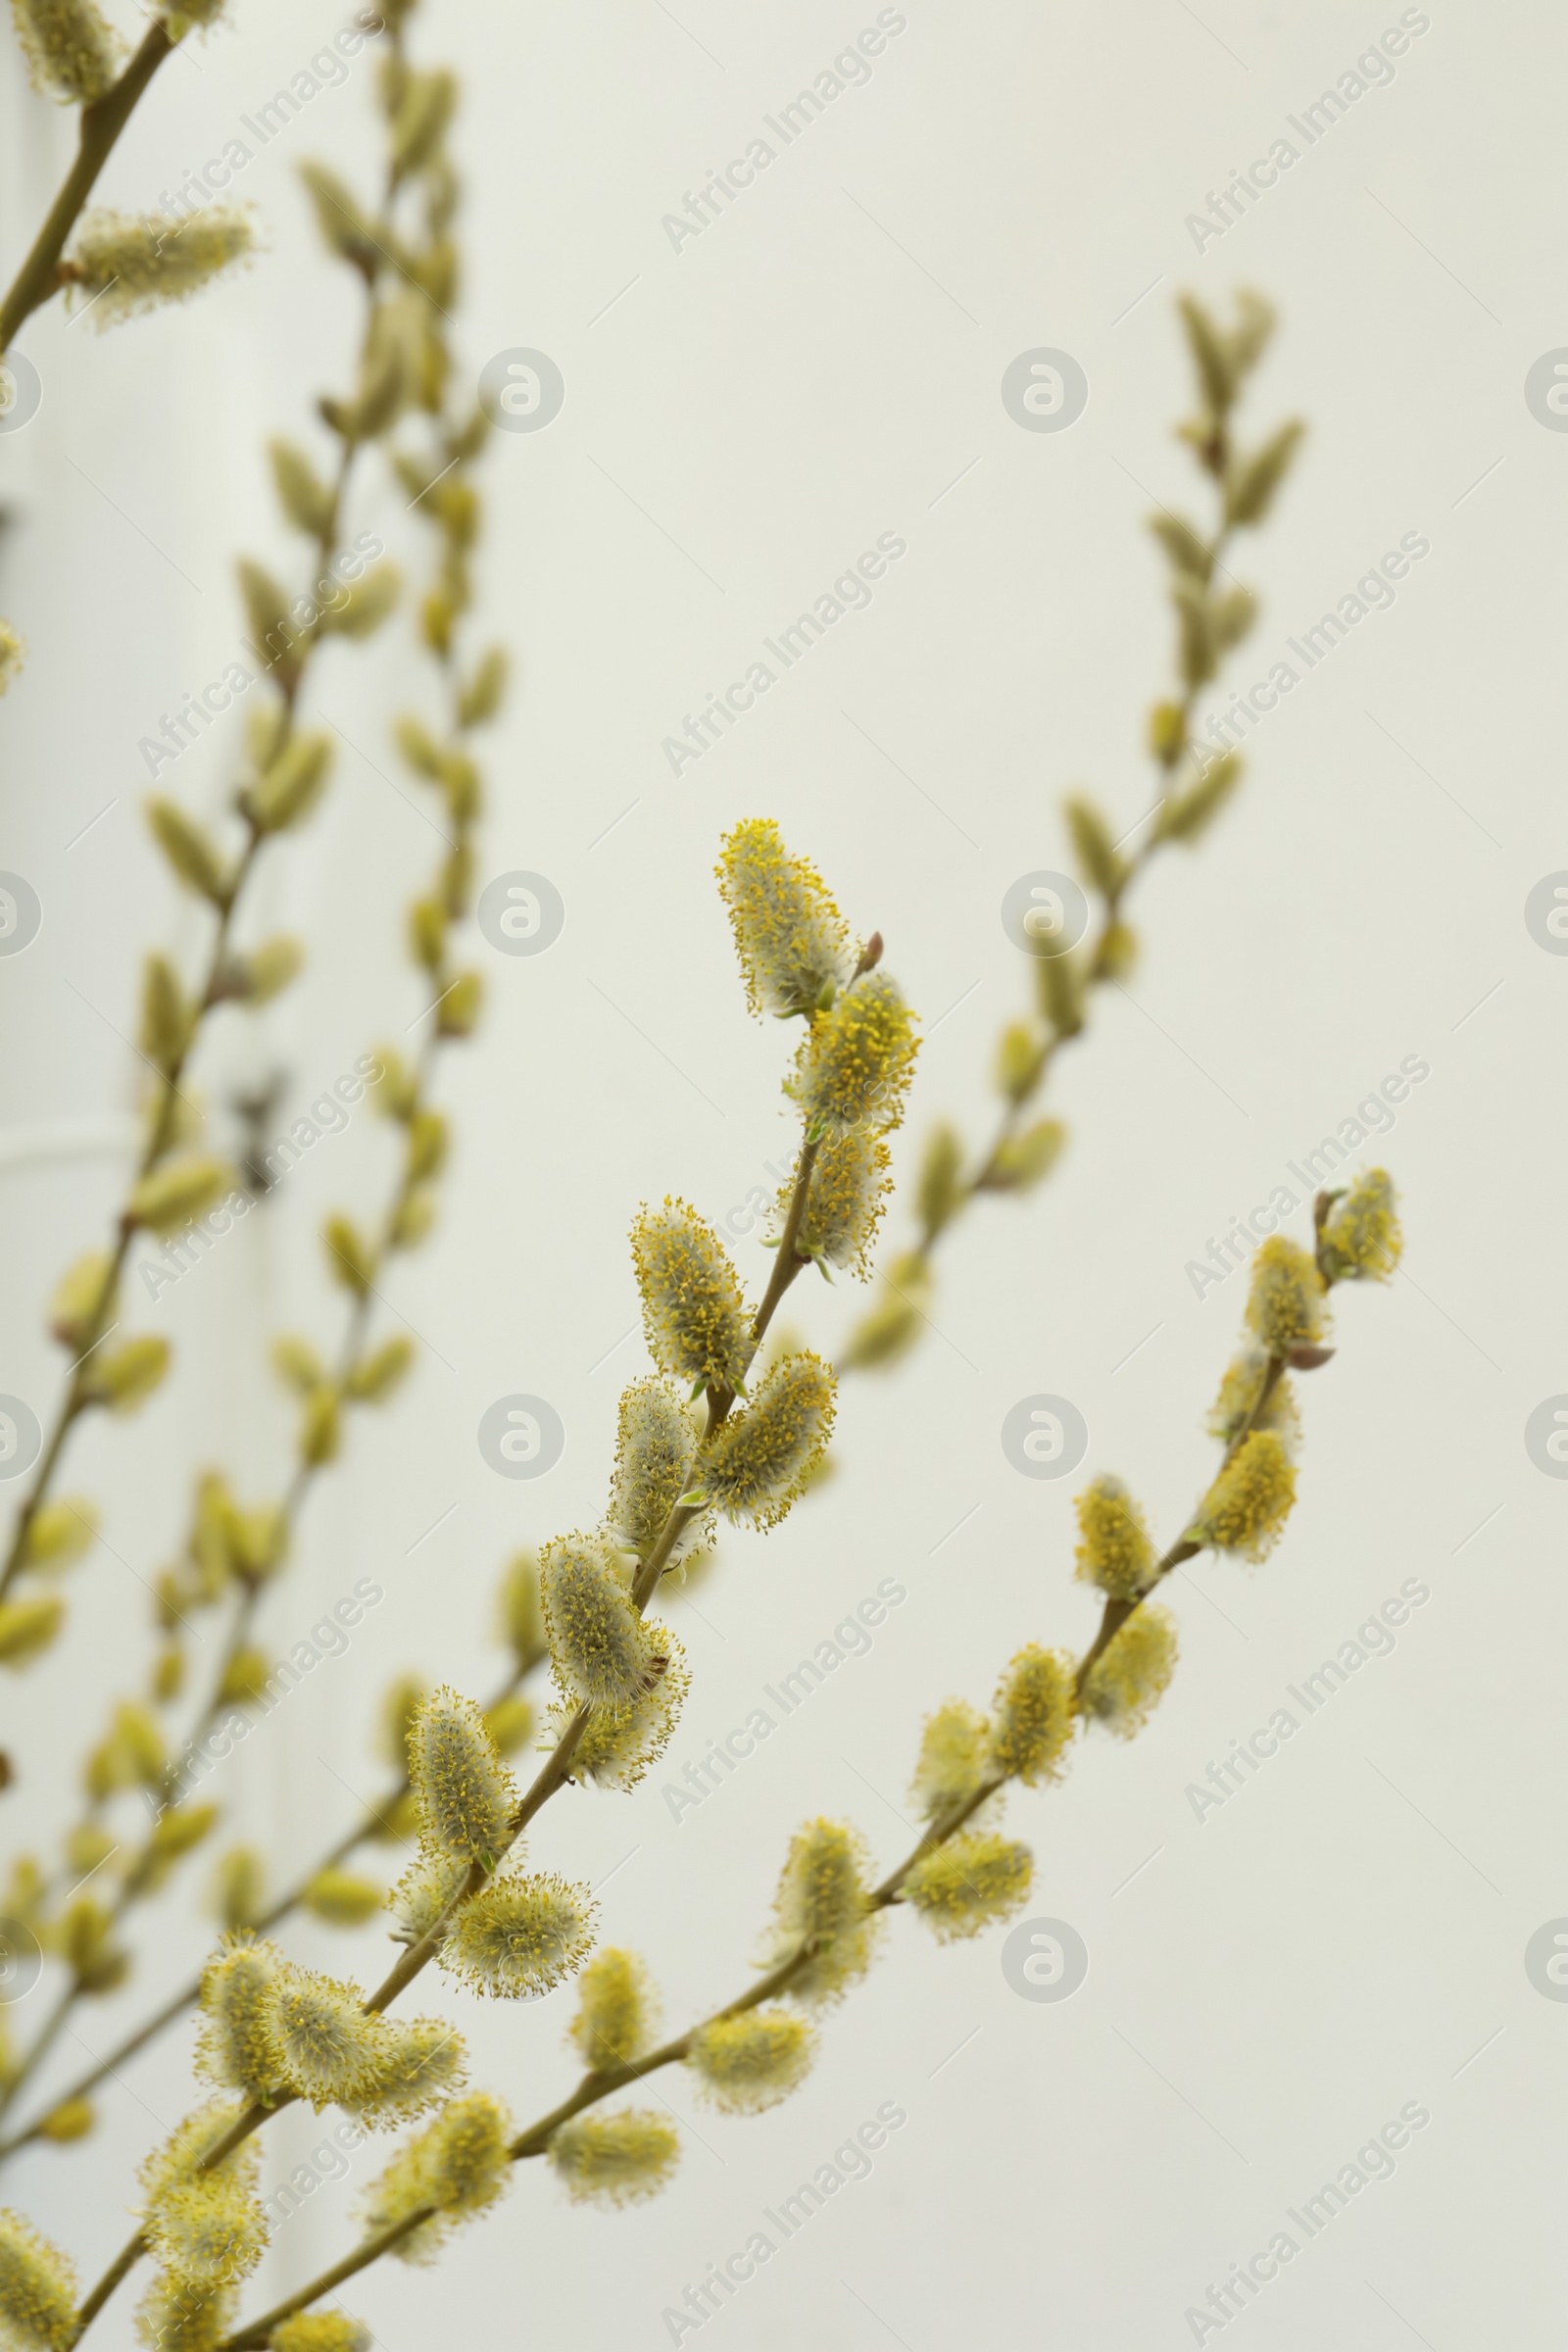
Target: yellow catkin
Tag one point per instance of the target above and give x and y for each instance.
(518, 1936)
(968, 1884)
(174, 2317)
(621, 1743)
(1033, 1716)
(822, 1901)
(323, 2045)
(955, 1753)
(1115, 1551)
(417, 2063)
(655, 1444)
(850, 1185)
(13, 655)
(1126, 1680)
(235, 2047)
(615, 2010)
(857, 1060)
(172, 2163)
(748, 2063)
(1236, 1406)
(320, 2331)
(760, 1460)
(208, 2232)
(1248, 1503)
(789, 935)
(464, 1792)
(1363, 1238)
(694, 1312)
(615, 2159)
(458, 2167)
(1285, 1306)
(600, 1649)
(37, 2289)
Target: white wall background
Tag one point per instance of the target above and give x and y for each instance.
(818, 367)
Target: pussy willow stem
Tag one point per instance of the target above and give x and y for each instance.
(600, 2083)
(551, 1775)
(101, 125)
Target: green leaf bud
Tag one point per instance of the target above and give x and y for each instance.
(286, 792)
(307, 502)
(192, 853)
(124, 1378)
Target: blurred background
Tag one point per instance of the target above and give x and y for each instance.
(744, 414)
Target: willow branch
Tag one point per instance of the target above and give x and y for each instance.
(101, 125)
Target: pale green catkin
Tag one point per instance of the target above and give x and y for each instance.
(758, 1461)
(124, 264)
(464, 1792)
(520, 1937)
(749, 2062)
(615, 2158)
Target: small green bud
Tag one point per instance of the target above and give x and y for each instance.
(193, 855)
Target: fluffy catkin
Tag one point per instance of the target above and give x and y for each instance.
(602, 1651)
(458, 2167)
(320, 2331)
(37, 2289)
(1285, 1306)
(789, 935)
(850, 1184)
(955, 1753)
(1114, 1551)
(519, 1936)
(857, 1060)
(616, 2011)
(656, 1444)
(1250, 1501)
(73, 52)
(464, 1792)
(235, 2046)
(760, 1460)
(749, 2062)
(125, 263)
(323, 2045)
(621, 1743)
(821, 1899)
(1127, 1679)
(1237, 1403)
(969, 1883)
(615, 2158)
(1363, 1238)
(1033, 1716)
(693, 1312)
